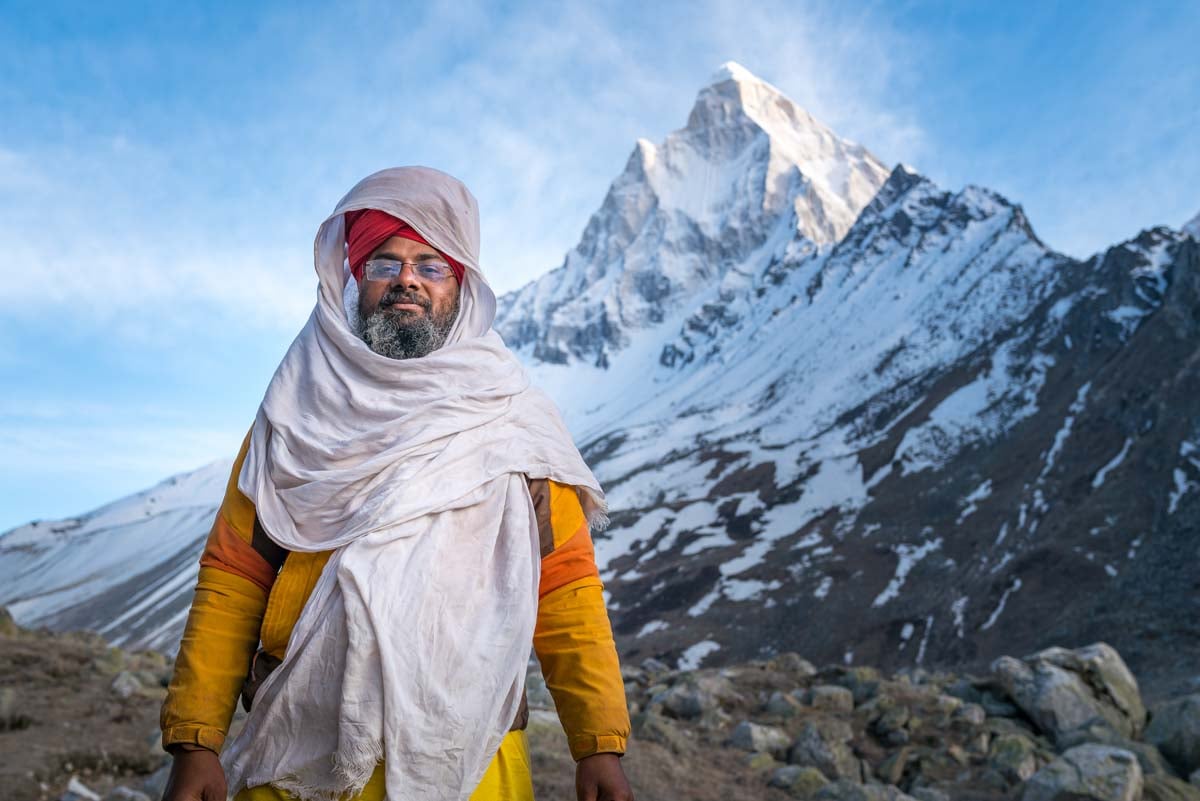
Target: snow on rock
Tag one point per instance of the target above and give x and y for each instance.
(693, 656)
(995, 615)
(907, 557)
(1112, 465)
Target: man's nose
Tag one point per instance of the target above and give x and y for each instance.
(407, 277)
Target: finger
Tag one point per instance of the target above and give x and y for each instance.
(587, 791)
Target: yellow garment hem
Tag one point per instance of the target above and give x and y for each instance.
(508, 778)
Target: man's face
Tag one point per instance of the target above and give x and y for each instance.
(406, 317)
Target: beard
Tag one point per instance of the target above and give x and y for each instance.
(405, 334)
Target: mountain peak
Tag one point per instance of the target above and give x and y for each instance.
(733, 71)
(1193, 227)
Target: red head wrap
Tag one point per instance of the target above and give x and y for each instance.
(367, 229)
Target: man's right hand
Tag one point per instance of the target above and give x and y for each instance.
(195, 776)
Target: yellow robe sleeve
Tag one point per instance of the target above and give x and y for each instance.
(222, 630)
(574, 642)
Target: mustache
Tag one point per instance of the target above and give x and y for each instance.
(403, 296)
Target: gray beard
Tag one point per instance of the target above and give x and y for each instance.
(403, 335)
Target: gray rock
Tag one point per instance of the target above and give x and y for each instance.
(832, 698)
(750, 736)
(891, 770)
(119, 793)
(657, 729)
(1169, 788)
(155, 784)
(973, 714)
(893, 719)
(696, 696)
(863, 682)
(1063, 691)
(78, 791)
(784, 705)
(793, 664)
(126, 684)
(1194, 777)
(929, 794)
(843, 790)
(800, 782)
(536, 692)
(1093, 772)
(1013, 756)
(824, 745)
(1175, 730)
(1151, 759)
(654, 666)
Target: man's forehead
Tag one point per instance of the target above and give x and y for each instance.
(406, 248)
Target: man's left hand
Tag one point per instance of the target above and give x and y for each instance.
(599, 777)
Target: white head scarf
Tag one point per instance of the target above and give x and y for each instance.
(412, 648)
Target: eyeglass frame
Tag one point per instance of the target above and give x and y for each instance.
(445, 272)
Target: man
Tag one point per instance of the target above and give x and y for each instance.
(405, 518)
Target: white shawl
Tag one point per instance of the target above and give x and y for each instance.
(412, 647)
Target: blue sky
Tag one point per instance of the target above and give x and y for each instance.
(163, 167)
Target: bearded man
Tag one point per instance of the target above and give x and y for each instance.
(405, 518)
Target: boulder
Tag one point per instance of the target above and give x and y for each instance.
(750, 736)
(1013, 756)
(120, 793)
(1194, 777)
(863, 682)
(155, 784)
(1091, 771)
(832, 698)
(695, 696)
(783, 705)
(1175, 729)
(78, 791)
(793, 664)
(929, 794)
(844, 790)
(800, 782)
(8, 626)
(971, 714)
(1168, 788)
(536, 692)
(126, 684)
(1151, 759)
(824, 745)
(658, 729)
(655, 667)
(1064, 691)
(891, 770)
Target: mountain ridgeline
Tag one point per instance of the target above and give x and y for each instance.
(837, 410)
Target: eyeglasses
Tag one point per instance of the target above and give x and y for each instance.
(387, 269)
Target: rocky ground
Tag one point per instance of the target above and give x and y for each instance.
(78, 722)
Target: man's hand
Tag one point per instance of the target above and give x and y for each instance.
(599, 777)
(195, 776)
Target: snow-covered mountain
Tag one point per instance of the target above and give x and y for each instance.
(750, 169)
(837, 410)
(125, 570)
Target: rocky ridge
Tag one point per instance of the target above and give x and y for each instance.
(78, 723)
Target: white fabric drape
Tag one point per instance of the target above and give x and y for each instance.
(412, 647)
